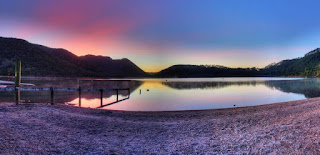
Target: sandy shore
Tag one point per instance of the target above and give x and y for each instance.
(291, 127)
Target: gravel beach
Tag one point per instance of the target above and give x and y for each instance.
(282, 128)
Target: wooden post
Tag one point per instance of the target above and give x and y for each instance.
(129, 92)
(78, 81)
(9, 74)
(52, 95)
(117, 95)
(101, 96)
(17, 95)
(79, 96)
(17, 75)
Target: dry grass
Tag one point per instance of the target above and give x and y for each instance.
(285, 128)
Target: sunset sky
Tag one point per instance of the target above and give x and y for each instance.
(155, 34)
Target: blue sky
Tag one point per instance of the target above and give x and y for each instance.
(157, 34)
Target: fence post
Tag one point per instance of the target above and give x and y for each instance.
(17, 95)
(117, 95)
(17, 75)
(52, 95)
(79, 96)
(129, 92)
(101, 96)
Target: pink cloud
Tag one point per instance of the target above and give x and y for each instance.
(82, 25)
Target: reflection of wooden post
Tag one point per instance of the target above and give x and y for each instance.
(52, 95)
(101, 96)
(79, 96)
(17, 74)
(17, 95)
(129, 92)
(117, 95)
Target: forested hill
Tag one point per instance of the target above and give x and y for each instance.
(184, 71)
(309, 65)
(38, 60)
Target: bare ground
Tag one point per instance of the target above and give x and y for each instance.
(283, 128)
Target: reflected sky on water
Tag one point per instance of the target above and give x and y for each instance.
(175, 94)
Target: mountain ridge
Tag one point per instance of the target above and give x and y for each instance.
(184, 71)
(39, 60)
(308, 65)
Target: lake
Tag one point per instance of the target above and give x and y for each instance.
(174, 94)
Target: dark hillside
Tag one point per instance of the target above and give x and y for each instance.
(38, 60)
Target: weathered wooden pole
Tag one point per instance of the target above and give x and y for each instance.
(101, 96)
(52, 95)
(117, 95)
(79, 96)
(17, 95)
(17, 75)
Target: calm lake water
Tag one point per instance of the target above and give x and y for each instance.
(175, 94)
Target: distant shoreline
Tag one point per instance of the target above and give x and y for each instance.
(71, 77)
(283, 128)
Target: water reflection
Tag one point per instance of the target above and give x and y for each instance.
(170, 95)
(175, 94)
(71, 97)
(308, 87)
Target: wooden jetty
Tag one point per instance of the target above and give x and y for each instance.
(17, 89)
(53, 90)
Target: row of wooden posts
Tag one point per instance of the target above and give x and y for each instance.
(17, 89)
(80, 90)
(52, 91)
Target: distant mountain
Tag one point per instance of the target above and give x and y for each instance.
(183, 71)
(309, 65)
(38, 60)
(103, 66)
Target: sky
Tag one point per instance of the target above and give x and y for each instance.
(156, 34)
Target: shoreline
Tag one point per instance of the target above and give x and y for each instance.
(287, 127)
(177, 111)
